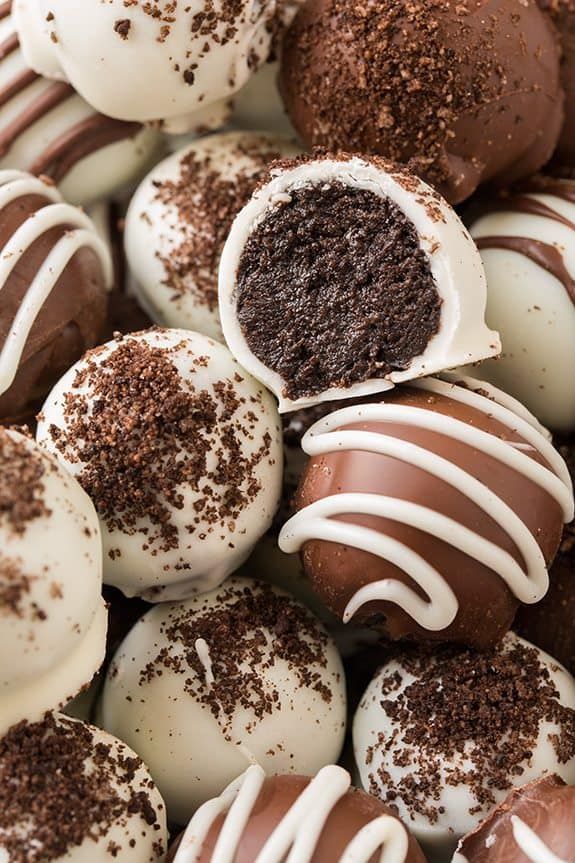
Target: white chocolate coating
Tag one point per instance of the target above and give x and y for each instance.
(531, 307)
(39, 116)
(173, 59)
(299, 830)
(54, 636)
(200, 560)
(193, 754)
(82, 234)
(454, 262)
(531, 845)
(155, 232)
(528, 583)
(439, 835)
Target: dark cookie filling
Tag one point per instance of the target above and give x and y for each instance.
(333, 289)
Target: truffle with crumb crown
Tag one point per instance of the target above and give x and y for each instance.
(468, 92)
(243, 674)
(179, 449)
(52, 616)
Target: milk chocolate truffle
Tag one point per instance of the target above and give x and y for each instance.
(244, 674)
(468, 91)
(343, 276)
(52, 616)
(526, 242)
(179, 449)
(444, 736)
(179, 219)
(70, 793)
(431, 514)
(563, 15)
(319, 820)
(54, 276)
(534, 823)
(144, 61)
(46, 128)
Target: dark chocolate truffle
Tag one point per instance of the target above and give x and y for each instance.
(535, 824)
(431, 514)
(54, 275)
(322, 818)
(470, 91)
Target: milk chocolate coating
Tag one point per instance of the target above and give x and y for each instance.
(278, 794)
(486, 605)
(547, 807)
(563, 15)
(70, 321)
(469, 91)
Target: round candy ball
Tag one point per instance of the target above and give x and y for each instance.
(243, 674)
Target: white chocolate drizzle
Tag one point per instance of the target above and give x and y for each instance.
(530, 844)
(437, 612)
(80, 233)
(295, 838)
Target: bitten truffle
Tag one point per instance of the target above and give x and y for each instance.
(320, 820)
(345, 275)
(431, 514)
(52, 616)
(468, 91)
(244, 674)
(70, 793)
(55, 273)
(444, 736)
(534, 823)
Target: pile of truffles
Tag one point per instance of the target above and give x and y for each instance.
(287, 431)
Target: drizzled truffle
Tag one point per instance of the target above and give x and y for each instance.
(534, 823)
(320, 819)
(179, 219)
(241, 675)
(70, 792)
(526, 243)
(468, 91)
(179, 449)
(342, 276)
(54, 276)
(444, 736)
(142, 61)
(431, 514)
(52, 616)
(46, 128)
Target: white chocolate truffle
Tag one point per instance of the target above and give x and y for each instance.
(71, 793)
(309, 308)
(52, 616)
(528, 248)
(148, 62)
(179, 218)
(46, 128)
(241, 675)
(445, 736)
(180, 451)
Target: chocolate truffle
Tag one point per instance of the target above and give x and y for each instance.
(179, 449)
(319, 820)
(342, 276)
(534, 824)
(54, 277)
(241, 675)
(563, 15)
(444, 736)
(468, 91)
(142, 61)
(526, 242)
(179, 219)
(70, 793)
(52, 616)
(431, 514)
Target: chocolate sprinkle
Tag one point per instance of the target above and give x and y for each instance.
(21, 484)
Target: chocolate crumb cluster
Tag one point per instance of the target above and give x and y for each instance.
(468, 718)
(246, 635)
(21, 484)
(59, 787)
